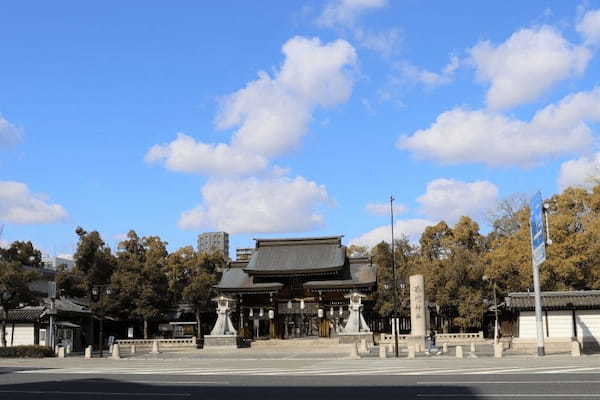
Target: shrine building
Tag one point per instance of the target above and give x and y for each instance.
(293, 288)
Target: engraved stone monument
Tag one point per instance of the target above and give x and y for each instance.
(418, 312)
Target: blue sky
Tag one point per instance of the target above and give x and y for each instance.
(287, 118)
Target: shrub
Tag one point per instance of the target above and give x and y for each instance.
(26, 352)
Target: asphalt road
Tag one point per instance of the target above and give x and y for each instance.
(298, 376)
(522, 386)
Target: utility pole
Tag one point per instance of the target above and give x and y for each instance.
(395, 313)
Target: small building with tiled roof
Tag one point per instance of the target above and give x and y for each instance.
(565, 315)
(293, 287)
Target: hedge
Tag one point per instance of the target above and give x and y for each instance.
(26, 352)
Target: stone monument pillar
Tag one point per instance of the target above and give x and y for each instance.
(418, 312)
(356, 328)
(223, 334)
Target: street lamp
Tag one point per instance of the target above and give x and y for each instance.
(395, 313)
(493, 282)
(6, 296)
(98, 293)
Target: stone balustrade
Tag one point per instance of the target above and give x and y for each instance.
(167, 343)
(459, 338)
(440, 338)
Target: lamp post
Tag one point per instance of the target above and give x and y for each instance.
(6, 296)
(493, 282)
(98, 292)
(395, 313)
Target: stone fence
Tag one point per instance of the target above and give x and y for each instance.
(459, 338)
(163, 343)
(440, 338)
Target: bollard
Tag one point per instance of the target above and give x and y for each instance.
(498, 349)
(88, 352)
(382, 352)
(472, 347)
(575, 349)
(391, 348)
(116, 352)
(61, 352)
(133, 349)
(459, 352)
(411, 351)
(363, 346)
(155, 349)
(354, 351)
(445, 348)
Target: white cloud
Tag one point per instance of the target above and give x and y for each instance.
(19, 206)
(9, 134)
(384, 208)
(384, 42)
(428, 78)
(258, 206)
(271, 113)
(66, 256)
(589, 27)
(528, 63)
(345, 12)
(185, 154)
(411, 228)
(465, 136)
(449, 199)
(582, 172)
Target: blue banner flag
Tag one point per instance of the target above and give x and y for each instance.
(538, 234)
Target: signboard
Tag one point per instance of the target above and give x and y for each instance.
(538, 234)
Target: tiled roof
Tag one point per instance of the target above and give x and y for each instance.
(361, 274)
(237, 279)
(27, 314)
(297, 256)
(555, 300)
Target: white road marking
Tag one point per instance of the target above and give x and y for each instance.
(567, 370)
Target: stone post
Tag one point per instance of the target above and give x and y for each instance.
(354, 351)
(88, 352)
(445, 347)
(575, 349)
(417, 310)
(382, 352)
(155, 349)
(61, 352)
(116, 352)
(472, 347)
(411, 350)
(498, 349)
(133, 349)
(459, 352)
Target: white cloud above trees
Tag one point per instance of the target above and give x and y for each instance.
(255, 205)
(526, 65)
(589, 27)
(20, 206)
(9, 134)
(450, 199)
(345, 12)
(383, 209)
(581, 172)
(482, 136)
(185, 154)
(271, 113)
(411, 228)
